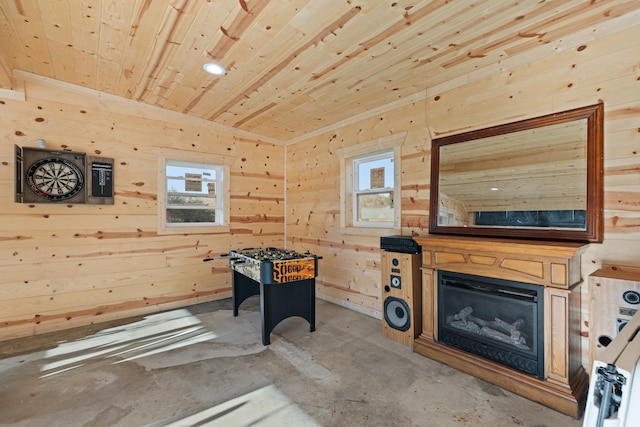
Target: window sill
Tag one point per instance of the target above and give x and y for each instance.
(369, 231)
(205, 229)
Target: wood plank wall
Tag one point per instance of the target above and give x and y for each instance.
(350, 268)
(68, 265)
(606, 69)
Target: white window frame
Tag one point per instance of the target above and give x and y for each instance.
(348, 170)
(356, 162)
(222, 164)
(203, 180)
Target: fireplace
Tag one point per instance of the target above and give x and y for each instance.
(541, 271)
(499, 320)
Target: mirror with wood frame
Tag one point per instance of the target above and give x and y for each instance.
(540, 178)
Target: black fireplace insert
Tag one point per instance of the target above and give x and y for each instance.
(497, 319)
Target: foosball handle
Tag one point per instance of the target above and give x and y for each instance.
(215, 258)
(309, 253)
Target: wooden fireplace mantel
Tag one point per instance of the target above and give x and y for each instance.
(554, 265)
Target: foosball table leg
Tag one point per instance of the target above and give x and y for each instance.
(265, 310)
(242, 288)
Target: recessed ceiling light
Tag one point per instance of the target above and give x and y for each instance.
(215, 69)
(494, 189)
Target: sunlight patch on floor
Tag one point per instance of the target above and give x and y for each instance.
(157, 333)
(265, 407)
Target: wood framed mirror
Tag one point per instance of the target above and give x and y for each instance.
(540, 178)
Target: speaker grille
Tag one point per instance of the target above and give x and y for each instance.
(397, 314)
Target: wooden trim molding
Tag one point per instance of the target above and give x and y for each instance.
(170, 154)
(346, 156)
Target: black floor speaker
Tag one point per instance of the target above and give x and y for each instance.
(401, 296)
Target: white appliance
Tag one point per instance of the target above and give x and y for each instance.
(614, 387)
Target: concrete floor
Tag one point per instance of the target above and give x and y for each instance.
(200, 366)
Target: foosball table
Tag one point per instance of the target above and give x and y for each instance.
(284, 279)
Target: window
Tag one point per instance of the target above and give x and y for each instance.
(193, 192)
(373, 190)
(370, 186)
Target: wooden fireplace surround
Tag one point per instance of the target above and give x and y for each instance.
(554, 265)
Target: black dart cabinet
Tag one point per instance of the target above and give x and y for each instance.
(62, 176)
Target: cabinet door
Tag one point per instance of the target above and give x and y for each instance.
(429, 304)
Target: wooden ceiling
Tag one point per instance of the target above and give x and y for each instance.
(293, 67)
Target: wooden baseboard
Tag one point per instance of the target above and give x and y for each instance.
(568, 399)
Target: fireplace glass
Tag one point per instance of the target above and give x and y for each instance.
(496, 319)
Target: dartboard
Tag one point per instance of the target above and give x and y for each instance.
(55, 178)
